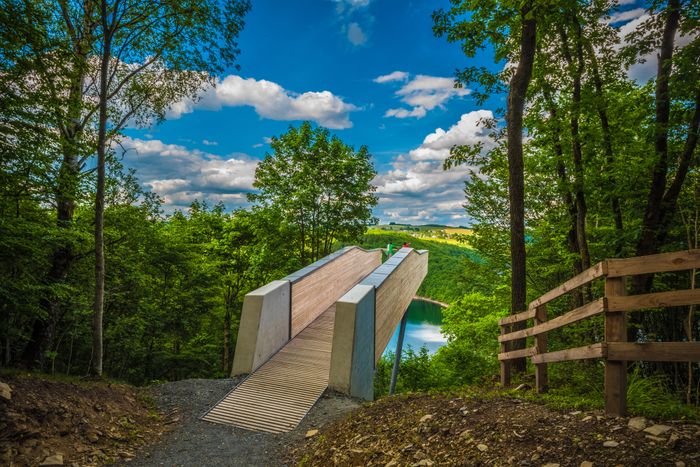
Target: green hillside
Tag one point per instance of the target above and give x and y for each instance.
(445, 266)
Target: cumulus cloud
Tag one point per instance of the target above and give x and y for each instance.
(356, 35)
(270, 100)
(627, 15)
(393, 76)
(417, 189)
(181, 175)
(422, 93)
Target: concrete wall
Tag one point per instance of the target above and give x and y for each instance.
(366, 318)
(352, 365)
(276, 312)
(264, 327)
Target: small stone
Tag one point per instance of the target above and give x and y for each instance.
(655, 439)
(425, 462)
(680, 464)
(672, 440)
(610, 444)
(419, 455)
(56, 459)
(587, 418)
(92, 437)
(637, 423)
(426, 418)
(466, 434)
(5, 391)
(311, 433)
(511, 460)
(482, 447)
(657, 430)
(586, 464)
(575, 412)
(535, 457)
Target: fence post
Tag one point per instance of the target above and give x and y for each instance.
(505, 364)
(615, 371)
(541, 348)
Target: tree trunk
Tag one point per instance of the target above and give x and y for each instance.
(65, 193)
(608, 147)
(98, 310)
(227, 339)
(647, 243)
(516, 183)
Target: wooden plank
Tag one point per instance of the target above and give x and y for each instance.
(513, 354)
(615, 371)
(318, 290)
(654, 300)
(516, 318)
(577, 353)
(655, 351)
(590, 274)
(280, 393)
(540, 349)
(577, 314)
(664, 262)
(394, 295)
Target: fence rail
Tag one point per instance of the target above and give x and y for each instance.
(614, 305)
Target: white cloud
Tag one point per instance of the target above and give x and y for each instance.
(356, 35)
(417, 112)
(270, 100)
(422, 93)
(181, 175)
(417, 189)
(393, 76)
(626, 15)
(648, 64)
(206, 142)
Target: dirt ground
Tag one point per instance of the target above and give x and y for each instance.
(481, 429)
(83, 423)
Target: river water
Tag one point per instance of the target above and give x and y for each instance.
(422, 328)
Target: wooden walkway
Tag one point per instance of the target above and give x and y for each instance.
(281, 392)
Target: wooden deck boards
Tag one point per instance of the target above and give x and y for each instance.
(280, 393)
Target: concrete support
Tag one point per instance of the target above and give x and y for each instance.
(264, 327)
(352, 356)
(399, 352)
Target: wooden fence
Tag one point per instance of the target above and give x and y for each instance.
(614, 304)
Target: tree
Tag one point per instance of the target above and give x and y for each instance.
(473, 22)
(320, 185)
(152, 54)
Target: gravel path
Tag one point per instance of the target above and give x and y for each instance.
(193, 442)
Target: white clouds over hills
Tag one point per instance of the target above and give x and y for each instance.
(270, 100)
(416, 188)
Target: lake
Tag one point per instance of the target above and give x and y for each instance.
(422, 328)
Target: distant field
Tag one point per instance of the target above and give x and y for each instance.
(436, 233)
(447, 259)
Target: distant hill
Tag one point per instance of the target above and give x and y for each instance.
(447, 260)
(444, 233)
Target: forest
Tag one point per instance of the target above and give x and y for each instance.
(587, 161)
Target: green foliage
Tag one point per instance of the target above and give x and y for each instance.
(446, 264)
(319, 185)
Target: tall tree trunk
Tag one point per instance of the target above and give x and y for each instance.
(563, 178)
(516, 179)
(608, 148)
(647, 243)
(65, 193)
(98, 310)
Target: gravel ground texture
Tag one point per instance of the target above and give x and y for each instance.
(193, 442)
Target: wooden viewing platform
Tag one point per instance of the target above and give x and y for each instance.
(324, 325)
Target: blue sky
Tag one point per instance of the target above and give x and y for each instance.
(370, 70)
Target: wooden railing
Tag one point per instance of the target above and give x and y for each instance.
(615, 304)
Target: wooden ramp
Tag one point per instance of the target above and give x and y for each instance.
(277, 396)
